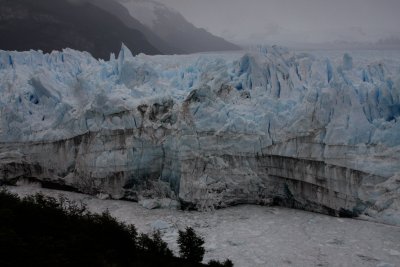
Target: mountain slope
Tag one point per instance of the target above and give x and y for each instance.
(56, 24)
(118, 10)
(174, 29)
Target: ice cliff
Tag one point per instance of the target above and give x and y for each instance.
(316, 132)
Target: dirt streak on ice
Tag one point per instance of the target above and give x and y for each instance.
(260, 236)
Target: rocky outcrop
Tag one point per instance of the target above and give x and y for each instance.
(264, 128)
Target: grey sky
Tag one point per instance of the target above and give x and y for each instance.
(288, 21)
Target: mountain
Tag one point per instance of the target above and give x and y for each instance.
(319, 132)
(390, 42)
(119, 11)
(99, 27)
(174, 29)
(56, 24)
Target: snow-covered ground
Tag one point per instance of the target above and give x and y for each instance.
(260, 236)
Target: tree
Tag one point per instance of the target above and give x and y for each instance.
(154, 244)
(63, 233)
(191, 246)
(226, 263)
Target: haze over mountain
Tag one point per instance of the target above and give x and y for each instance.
(292, 22)
(174, 29)
(99, 27)
(119, 11)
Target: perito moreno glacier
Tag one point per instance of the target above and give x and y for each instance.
(315, 131)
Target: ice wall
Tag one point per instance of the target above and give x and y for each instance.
(316, 132)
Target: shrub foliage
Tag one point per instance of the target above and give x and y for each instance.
(44, 231)
(191, 246)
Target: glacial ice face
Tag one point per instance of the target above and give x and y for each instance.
(268, 126)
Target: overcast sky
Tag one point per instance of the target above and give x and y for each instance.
(288, 21)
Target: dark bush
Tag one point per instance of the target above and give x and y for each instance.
(154, 244)
(44, 231)
(191, 246)
(226, 263)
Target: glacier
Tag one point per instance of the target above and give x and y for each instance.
(315, 131)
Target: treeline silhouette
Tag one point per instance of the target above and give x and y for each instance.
(44, 231)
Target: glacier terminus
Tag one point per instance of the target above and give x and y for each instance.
(316, 131)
